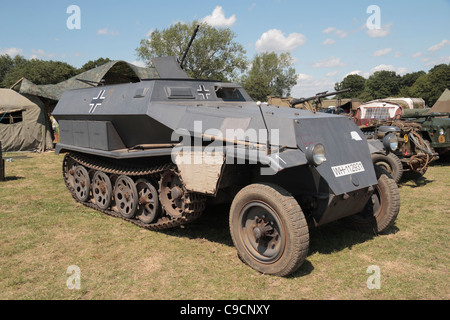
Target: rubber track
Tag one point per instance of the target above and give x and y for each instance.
(195, 203)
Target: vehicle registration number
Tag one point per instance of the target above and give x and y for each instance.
(347, 169)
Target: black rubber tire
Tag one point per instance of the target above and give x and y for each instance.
(391, 163)
(382, 209)
(287, 219)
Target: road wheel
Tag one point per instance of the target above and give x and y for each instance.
(126, 196)
(269, 229)
(102, 190)
(382, 209)
(81, 184)
(390, 163)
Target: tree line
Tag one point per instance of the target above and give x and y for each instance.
(384, 84)
(215, 55)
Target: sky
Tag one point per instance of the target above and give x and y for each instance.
(327, 39)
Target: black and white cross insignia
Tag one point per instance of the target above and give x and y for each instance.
(97, 101)
(203, 92)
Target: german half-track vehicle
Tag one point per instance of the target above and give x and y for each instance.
(158, 152)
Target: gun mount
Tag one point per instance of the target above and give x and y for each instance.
(317, 98)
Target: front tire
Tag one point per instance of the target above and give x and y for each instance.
(382, 209)
(391, 163)
(269, 229)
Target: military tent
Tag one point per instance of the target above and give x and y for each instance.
(442, 105)
(24, 123)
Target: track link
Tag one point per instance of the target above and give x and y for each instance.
(194, 204)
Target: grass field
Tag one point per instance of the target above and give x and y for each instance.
(43, 231)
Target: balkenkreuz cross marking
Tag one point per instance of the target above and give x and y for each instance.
(97, 101)
(202, 91)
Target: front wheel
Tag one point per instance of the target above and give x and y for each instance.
(382, 209)
(269, 229)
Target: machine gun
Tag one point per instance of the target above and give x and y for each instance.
(317, 98)
(189, 46)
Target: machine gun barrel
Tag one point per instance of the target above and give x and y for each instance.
(189, 46)
(318, 96)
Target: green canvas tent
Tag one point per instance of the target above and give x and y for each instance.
(24, 123)
(25, 109)
(443, 103)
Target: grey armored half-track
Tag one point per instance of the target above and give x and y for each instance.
(157, 152)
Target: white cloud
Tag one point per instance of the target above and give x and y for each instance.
(329, 63)
(416, 55)
(384, 31)
(358, 72)
(441, 60)
(274, 40)
(332, 73)
(329, 41)
(36, 54)
(12, 52)
(440, 45)
(341, 33)
(309, 86)
(382, 52)
(304, 77)
(401, 71)
(329, 30)
(397, 54)
(139, 63)
(105, 31)
(384, 67)
(217, 18)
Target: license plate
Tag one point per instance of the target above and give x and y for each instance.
(347, 169)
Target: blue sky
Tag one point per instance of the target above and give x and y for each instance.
(327, 39)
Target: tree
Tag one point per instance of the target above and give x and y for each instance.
(213, 54)
(383, 84)
(355, 82)
(93, 64)
(6, 63)
(430, 86)
(270, 75)
(38, 71)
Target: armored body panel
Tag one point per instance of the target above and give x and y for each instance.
(156, 152)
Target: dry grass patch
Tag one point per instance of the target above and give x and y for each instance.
(44, 231)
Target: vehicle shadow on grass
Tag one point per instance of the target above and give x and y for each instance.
(333, 237)
(212, 225)
(12, 178)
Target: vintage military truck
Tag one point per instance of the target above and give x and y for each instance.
(157, 152)
(434, 123)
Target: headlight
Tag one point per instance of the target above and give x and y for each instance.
(390, 142)
(441, 131)
(316, 154)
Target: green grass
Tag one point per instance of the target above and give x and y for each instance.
(43, 231)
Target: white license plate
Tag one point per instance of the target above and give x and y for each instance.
(347, 169)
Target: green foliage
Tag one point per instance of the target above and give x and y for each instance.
(383, 84)
(353, 81)
(93, 64)
(270, 75)
(213, 54)
(38, 71)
